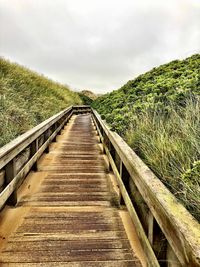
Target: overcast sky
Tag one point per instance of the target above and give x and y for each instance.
(98, 44)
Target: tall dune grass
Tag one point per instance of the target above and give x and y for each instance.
(169, 143)
(27, 98)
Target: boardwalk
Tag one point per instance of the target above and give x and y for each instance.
(69, 216)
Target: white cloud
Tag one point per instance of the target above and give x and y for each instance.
(98, 44)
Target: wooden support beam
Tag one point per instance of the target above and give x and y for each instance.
(33, 149)
(47, 134)
(125, 176)
(10, 173)
(2, 179)
(172, 260)
(150, 227)
(140, 205)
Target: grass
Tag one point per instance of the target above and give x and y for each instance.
(27, 98)
(170, 145)
(158, 115)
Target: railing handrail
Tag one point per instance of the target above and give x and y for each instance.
(178, 225)
(35, 132)
(36, 141)
(4, 150)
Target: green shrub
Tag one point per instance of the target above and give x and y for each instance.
(158, 114)
(85, 99)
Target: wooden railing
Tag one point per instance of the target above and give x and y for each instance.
(169, 235)
(21, 155)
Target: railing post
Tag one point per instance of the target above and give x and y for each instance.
(2, 179)
(125, 176)
(10, 173)
(109, 146)
(150, 224)
(54, 127)
(47, 134)
(59, 123)
(33, 150)
(172, 260)
(104, 143)
(121, 200)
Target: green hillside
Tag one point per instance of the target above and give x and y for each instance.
(85, 99)
(158, 114)
(27, 98)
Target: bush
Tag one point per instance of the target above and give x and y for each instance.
(158, 114)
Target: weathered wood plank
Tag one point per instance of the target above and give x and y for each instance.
(62, 255)
(70, 236)
(68, 245)
(72, 213)
(10, 173)
(65, 203)
(115, 263)
(72, 221)
(2, 178)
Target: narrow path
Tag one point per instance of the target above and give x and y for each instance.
(69, 218)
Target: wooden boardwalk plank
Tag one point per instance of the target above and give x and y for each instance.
(70, 219)
(117, 263)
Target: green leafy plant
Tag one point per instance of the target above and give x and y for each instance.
(158, 114)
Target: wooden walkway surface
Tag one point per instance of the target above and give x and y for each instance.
(70, 219)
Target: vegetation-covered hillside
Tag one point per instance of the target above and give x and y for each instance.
(27, 98)
(89, 94)
(87, 97)
(158, 114)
